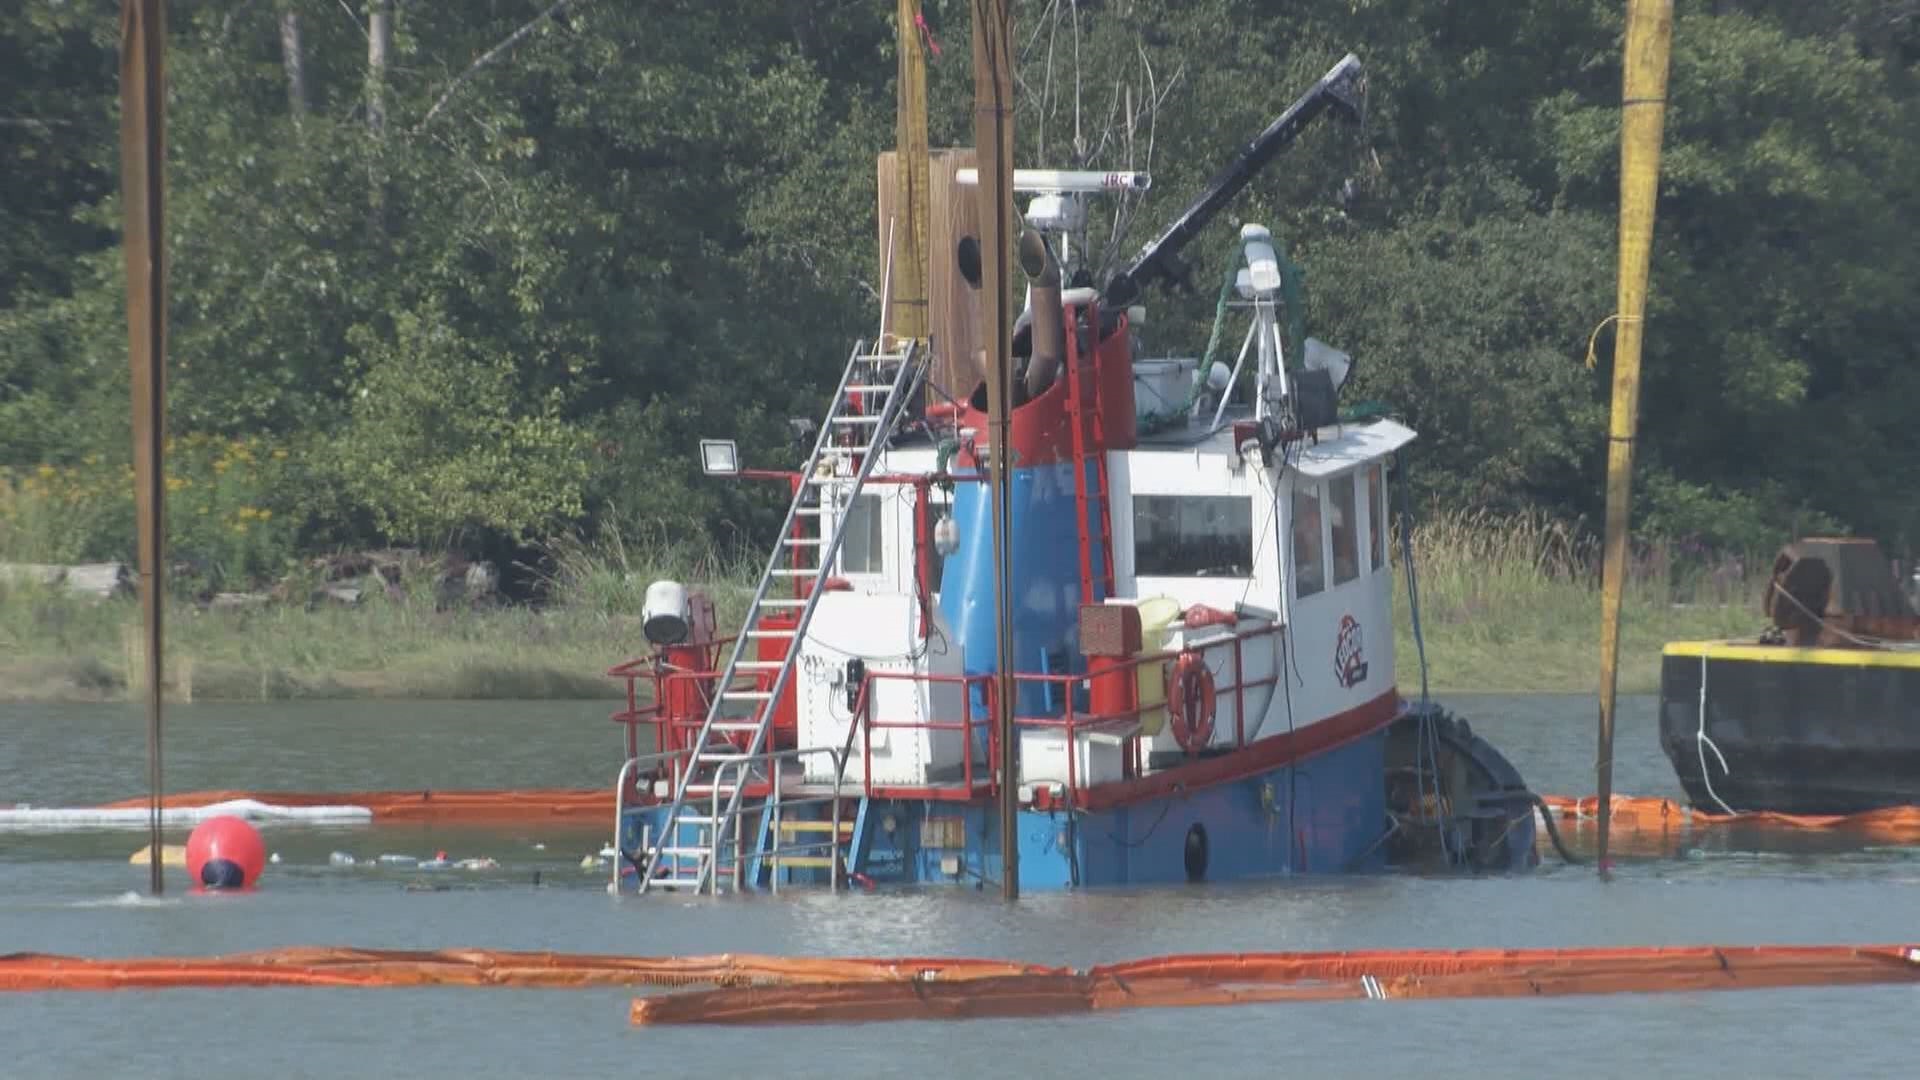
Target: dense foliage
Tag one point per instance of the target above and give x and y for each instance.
(475, 272)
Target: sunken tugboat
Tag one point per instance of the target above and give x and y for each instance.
(1203, 641)
(1818, 715)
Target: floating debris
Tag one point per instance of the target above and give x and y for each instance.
(170, 855)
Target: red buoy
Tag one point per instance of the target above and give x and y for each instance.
(225, 853)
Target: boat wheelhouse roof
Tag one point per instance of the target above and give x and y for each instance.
(1331, 450)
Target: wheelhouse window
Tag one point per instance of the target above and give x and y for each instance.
(1192, 535)
(1377, 510)
(863, 551)
(1309, 558)
(1346, 525)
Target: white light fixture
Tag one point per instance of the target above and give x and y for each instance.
(719, 457)
(946, 535)
(1324, 357)
(1056, 213)
(1263, 265)
(667, 615)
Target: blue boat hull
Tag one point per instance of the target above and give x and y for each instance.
(1326, 814)
(1322, 814)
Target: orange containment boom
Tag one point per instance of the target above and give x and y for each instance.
(787, 990)
(340, 967)
(1894, 824)
(1900, 824)
(1247, 978)
(554, 804)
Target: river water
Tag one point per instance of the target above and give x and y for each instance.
(77, 894)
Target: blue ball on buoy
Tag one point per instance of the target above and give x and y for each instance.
(225, 853)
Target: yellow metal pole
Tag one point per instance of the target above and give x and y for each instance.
(1643, 108)
(907, 319)
(993, 142)
(143, 157)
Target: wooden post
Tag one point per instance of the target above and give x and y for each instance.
(907, 320)
(993, 141)
(1643, 107)
(953, 307)
(143, 158)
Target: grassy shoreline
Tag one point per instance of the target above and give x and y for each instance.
(1487, 629)
(287, 654)
(1506, 605)
(492, 659)
(509, 669)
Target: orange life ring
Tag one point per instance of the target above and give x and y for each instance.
(1191, 703)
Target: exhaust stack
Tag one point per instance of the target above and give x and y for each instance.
(1049, 325)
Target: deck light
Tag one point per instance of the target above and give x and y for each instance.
(946, 535)
(719, 457)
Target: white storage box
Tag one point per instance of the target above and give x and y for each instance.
(882, 631)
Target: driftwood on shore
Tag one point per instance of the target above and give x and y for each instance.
(85, 579)
(347, 579)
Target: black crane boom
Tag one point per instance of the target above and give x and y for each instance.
(1342, 89)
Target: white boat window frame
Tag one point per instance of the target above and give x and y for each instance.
(1343, 520)
(1190, 471)
(877, 564)
(1307, 489)
(1378, 530)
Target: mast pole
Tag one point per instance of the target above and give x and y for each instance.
(993, 142)
(143, 158)
(1643, 104)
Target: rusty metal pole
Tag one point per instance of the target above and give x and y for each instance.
(143, 153)
(993, 143)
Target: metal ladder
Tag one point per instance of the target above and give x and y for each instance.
(688, 850)
(1093, 515)
(829, 843)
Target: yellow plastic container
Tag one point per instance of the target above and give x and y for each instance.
(1157, 613)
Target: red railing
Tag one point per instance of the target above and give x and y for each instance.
(1071, 722)
(675, 731)
(867, 724)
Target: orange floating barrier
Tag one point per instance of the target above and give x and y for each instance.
(488, 806)
(1245, 978)
(1894, 824)
(344, 967)
(1898, 824)
(751, 989)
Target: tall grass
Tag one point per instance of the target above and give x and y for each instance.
(1513, 603)
(607, 576)
(232, 511)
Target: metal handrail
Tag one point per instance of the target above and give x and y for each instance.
(620, 802)
(1070, 722)
(775, 803)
